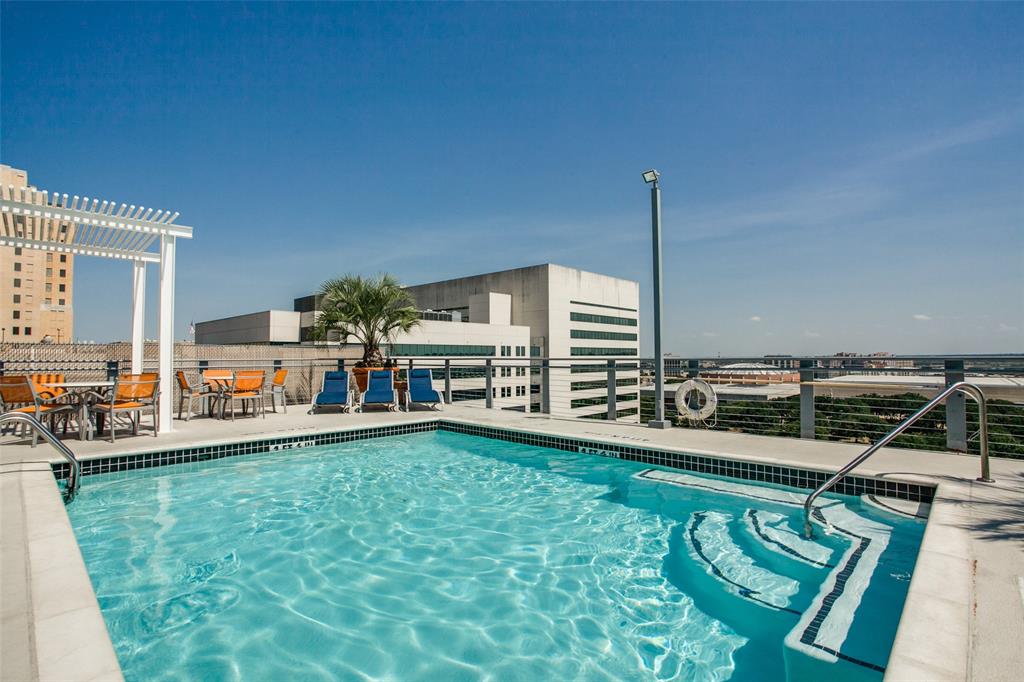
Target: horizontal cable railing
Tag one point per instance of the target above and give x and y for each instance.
(855, 399)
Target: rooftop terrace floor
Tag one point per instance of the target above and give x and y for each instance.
(963, 619)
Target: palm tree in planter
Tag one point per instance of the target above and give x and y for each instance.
(371, 311)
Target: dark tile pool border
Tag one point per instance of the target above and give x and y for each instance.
(703, 464)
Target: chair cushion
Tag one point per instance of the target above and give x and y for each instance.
(423, 395)
(379, 395)
(42, 408)
(244, 394)
(331, 398)
(121, 405)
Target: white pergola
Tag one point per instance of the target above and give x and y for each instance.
(34, 219)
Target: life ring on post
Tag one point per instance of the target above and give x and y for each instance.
(683, 403)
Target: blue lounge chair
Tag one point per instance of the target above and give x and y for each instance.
(380, 390)
(421, 389)
(333, 393)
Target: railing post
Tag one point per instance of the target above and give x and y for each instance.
(112, 370)
(956, 408)
(447, 381)
(806, 399)
(545, 386)
(489, 383)
(613, 410)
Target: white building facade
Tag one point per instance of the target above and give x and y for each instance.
(547, 332)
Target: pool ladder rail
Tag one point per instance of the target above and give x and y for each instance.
(958, 387)
(75, 477)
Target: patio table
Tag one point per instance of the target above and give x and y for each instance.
(78, 391)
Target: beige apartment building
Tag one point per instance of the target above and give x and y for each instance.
(35, 285)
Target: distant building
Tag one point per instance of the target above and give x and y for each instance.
(35, 285)
(582, 319)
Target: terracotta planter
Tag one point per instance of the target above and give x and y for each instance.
(360, 373)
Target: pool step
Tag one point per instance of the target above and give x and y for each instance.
(814, 645)
(772, 532)
(711, 544)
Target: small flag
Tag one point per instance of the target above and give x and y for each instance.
(192, 328)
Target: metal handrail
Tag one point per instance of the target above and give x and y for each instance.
(958, 387)
(74, 480)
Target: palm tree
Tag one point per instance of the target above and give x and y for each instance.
(369, 310)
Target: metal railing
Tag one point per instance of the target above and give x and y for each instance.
(959, 387)
(854, 399)
(75, 477)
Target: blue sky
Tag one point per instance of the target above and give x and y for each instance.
(836, 176)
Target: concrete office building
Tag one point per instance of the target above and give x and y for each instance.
(439, 335)
(582, 319)
(35, 285)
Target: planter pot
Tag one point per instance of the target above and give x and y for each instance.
(360, 373)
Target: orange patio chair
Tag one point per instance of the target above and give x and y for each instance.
(131, 394)
(277, 390)
(246, 387)
(187, 391)
(18, 393)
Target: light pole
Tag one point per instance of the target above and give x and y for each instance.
(659, 421)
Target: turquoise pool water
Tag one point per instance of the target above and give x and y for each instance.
(441, 556)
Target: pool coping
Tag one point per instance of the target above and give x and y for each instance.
(941, 586)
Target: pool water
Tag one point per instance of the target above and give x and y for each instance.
(442, 556)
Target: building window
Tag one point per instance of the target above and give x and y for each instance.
(583, 369)
(578, 350)
(506, 391)
(16, 314)
(28, 331)
(520, 371)
(603, 336)
(60, 301)
(60, 288)
(16, 330)
(63, 258)
(17, 282)
(48, 287)
(63, 273)
(602, 319)
(520, 391)
(49, 272)
(520, 351)
(17, 250)
(49, 258)
(439, 350)
(17, 298)
(601, 400)
(47, 301)
(588, 385)
(17, 266)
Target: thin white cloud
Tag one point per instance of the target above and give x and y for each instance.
(1003, 327)
(921, 317)
(710, 335)
(755, 318)
(811, 335)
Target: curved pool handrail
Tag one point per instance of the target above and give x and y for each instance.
(74, 479)
(958, 387)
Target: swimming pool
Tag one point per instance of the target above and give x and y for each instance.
(446, 556)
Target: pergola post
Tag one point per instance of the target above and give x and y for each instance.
(138, 315)
(166, 332)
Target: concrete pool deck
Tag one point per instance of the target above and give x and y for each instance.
(963, 619)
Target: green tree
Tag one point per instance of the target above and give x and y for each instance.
(370, 310)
